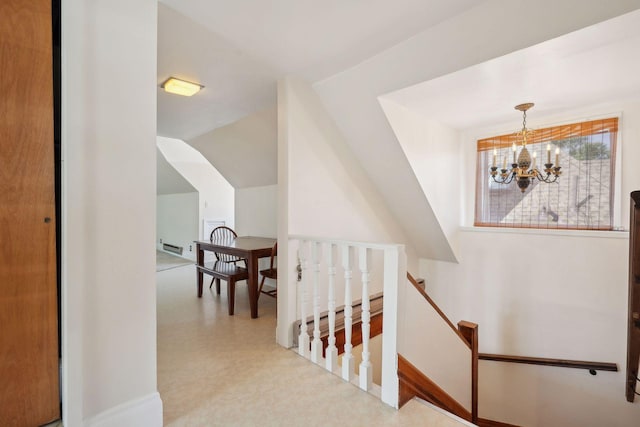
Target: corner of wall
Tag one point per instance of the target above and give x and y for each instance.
(143, 412)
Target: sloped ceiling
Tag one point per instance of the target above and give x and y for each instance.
(239, 49)
(236, 84)
(587, 67)
(315, 40)
(169, 181)
(244, 152)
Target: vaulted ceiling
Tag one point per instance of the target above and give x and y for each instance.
(239, 49)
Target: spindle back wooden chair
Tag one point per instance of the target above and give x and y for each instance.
(223, 234)
(270, 273)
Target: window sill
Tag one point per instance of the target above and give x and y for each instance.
(549, 232)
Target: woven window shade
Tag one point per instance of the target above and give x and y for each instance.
(582, 198)
(551, 134)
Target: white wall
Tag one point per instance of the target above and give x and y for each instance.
(474, 36)
(216, 194)
(324, 192)
(286, 256)
(256, 210)
(329, 194)
(433, 151)
(547, 294)
(543, 295)
(430, 345)
(177, 221)
(169, 179)
(109, 192)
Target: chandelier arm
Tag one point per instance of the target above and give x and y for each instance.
(503, 180)
(506, 180)
(547, 179)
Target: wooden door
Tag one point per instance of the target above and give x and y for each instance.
(29, 391)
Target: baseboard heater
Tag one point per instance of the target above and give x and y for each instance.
(172, 248)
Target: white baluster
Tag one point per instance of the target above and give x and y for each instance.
(347, 358)
(332, 350)
(366, 369)
(316, 344)
(303, 338)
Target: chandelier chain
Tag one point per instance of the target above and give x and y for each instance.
(523, 171)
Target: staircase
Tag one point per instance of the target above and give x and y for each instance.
(332, 272)
(348, 293)
(423, 354)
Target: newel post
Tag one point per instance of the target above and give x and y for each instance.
(394, 280)
(470, 333)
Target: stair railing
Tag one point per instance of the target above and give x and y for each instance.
(336, 273)
(437, 361)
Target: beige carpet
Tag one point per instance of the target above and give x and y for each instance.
(165, 261)
(221, 370)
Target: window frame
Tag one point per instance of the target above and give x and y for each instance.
(615, 172)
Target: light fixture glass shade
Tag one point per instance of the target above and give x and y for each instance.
(181, 87)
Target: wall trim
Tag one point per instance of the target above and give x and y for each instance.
(145, 411)
(622, 234)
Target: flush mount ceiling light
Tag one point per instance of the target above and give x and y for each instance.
(181, 87)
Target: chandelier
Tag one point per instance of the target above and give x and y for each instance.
(522, 168)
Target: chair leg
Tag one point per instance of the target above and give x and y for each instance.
(231, 295)
(260, 287)
(218, 286)
(211, 284)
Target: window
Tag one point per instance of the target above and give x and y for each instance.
(581, 198)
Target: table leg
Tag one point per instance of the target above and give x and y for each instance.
(252, 284)
(198, 271)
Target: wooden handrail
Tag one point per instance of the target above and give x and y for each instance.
(468, 333)
(413, 383)
(483, 422)
(562, 363)
(633, 323)
(437, 309)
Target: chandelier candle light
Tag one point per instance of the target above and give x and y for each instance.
(523, 170)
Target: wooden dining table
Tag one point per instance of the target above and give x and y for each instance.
(248, 247)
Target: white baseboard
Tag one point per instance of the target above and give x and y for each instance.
(142, 412)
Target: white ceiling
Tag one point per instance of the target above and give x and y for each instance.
(239, 49)
(592, 66)
(235, 83)
(244, 152)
